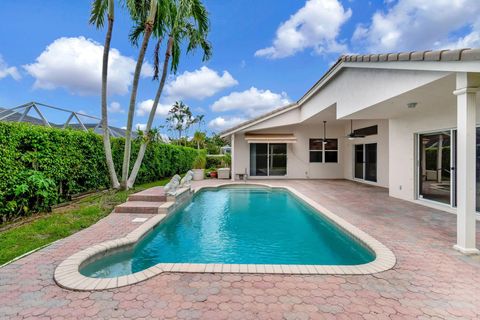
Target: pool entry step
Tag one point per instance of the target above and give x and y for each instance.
(147, 201)
(139, 207)
(155, 194)
(153, 201)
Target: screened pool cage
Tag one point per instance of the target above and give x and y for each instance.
(32, 113)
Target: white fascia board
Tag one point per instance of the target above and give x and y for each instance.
(453, 66)
(260, 120)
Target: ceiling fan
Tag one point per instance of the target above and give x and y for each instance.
(352, 135)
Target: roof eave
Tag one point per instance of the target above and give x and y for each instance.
(431, 60)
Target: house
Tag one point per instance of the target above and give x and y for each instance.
(408, 122)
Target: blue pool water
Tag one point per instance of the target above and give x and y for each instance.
(238, 226)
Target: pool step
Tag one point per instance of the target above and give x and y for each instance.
(149, 207)
(155, 194)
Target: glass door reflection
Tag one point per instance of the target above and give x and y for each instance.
(435, 166)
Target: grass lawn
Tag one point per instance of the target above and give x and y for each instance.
(63, 222)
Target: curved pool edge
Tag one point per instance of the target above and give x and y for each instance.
(67, 274)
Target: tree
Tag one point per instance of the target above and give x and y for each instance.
(199, 138)
(144, 19)
(177, 117)
(145, 22)
(97, 16)
(185, 21)
(180, 118)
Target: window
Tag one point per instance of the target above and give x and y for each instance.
(323, 152)
(367, 131)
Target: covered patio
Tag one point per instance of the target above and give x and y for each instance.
(430, 280)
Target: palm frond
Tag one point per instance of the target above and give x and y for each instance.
(98, 12)
(156, 62)
(135, 33)
(176, 52)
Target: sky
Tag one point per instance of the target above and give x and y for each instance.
(266, 53)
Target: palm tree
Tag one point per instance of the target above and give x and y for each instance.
(199, 138)
(97, 16)
(199, 120)
(177, 117)
(185, 20)
(145, 25)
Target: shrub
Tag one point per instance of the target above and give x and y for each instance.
(219, 161)
(200, 161)
(43, 166)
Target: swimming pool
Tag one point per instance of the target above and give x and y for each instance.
(238, 225)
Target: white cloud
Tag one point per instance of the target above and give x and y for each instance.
(76, 63)
(316, 25)
(251, 102)
(419, 25)
(144, 107)
(141, 126)
(199, 84)
(6, 71)
(221, 123)
(470, 40)
(115, 107)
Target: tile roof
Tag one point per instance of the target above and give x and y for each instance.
(466, 54)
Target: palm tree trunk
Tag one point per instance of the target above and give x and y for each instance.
(143, 146)
(106, 134)
(133, 96)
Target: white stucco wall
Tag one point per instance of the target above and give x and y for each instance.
(298, 165)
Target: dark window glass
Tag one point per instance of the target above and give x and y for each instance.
(332, 144)
(368, 131)
(258, 159)
(478, 169)
(359, 161)
(315, 156)
(278, 159)
(371, 162)
(316, 144)
(331, 156)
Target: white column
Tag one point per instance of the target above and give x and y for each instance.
(232, 164)
(466, 165)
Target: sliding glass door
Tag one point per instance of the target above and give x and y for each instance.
(436, 169)
(365, 162)
(268, 159)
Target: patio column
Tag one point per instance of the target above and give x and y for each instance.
(466, 165)
(232, 154)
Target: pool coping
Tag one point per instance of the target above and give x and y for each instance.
(67, 274)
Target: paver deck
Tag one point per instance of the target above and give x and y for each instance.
(430, 280)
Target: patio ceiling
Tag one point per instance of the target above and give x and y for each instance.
(434, 94)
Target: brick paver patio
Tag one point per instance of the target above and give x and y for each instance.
(430, 280)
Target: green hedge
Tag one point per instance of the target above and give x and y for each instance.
(217, 161)
(42, 166)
